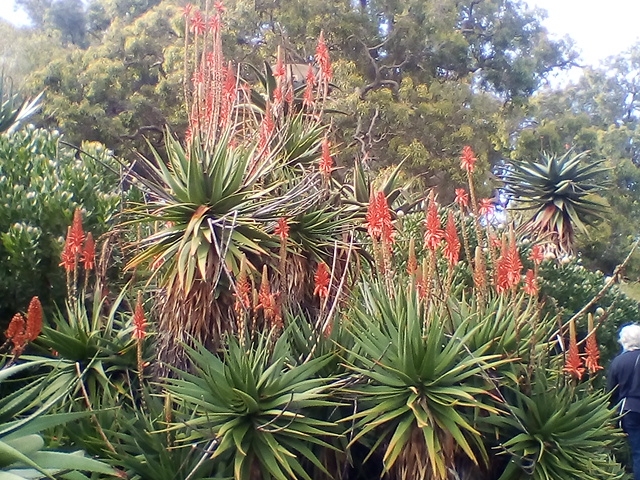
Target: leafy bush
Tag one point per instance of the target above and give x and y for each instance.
(42, 181)
(569, 286)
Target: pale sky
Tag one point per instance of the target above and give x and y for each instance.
(600, 28)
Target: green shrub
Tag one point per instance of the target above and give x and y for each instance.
(42, 181)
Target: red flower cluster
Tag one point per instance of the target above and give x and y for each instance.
(76, 247)
(379, 224)
(462, 197)
(531, 283)
(322, 279)
(326, 162)
(537, 254)
(508, 267)
(139, 321)
(468, 159)
(307, 97)
(322, 58)
(573, 363)
(451, 248)
(21, 331)
(433, 233)
(282, 229)
(486, 206)
(267, 301)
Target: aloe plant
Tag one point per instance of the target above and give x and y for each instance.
(254, 409)
(24, 417)
(562, 193)
(417, 394)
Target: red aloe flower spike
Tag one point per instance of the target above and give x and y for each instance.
(34, 320)
(186, 11)
(378, 218)
(16, 327)
(591, 349)
(75, 237)
(451, 241)
(198, 26)
(462, 197)
(89, 253)
(508, 267)
(243, 289)
(322, 58)
(433, 234)
(266, 299)
(17, 333)
(326, 162)
(139, 321)
(307, 98)
(468, 159)
(282, 229)
(214, 23)
(322, 279)
(67, 257)
(279, 71)
(219, 7)
(531, 283)
(573, 363)
(486, 206)
(537, 254)
(412, 262)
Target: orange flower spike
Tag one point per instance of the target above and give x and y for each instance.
(75, 237)
(16, 327)
(591, 349)
(243, 289)
(468, 159)
(433, 234)
(451, 241)
(573, 363)
(537, 254)
(34, 320)
(531, 283)
(322, 58)
(67, 257)
(266, 300)
(379, 225)
(322, 279)
(412, 262)
(486, 206)
(307, 98)
(17, 333)
(462, 197)
(89, 253)
(282, 229)
(139, 321)
(279, 70)
(326, 162)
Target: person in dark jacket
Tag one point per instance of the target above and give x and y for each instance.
(623, 378)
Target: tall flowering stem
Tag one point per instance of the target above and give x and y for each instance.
(322, 279)
(508, 266)
(324, 64)
(380, 229)
(282, 230)
(462, 200)
(467, 163)
(573, 363)
(451, 249)
(591, 348)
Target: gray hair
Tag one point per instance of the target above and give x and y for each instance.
(630, 337)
